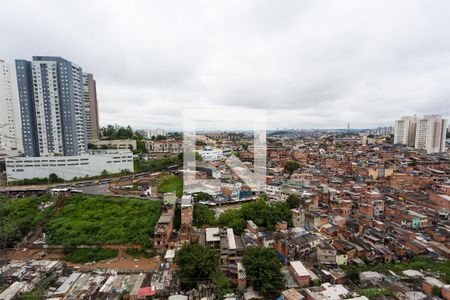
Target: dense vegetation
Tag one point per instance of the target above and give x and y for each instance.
(157, 164)
(84, 255)
(416, 263)
(203, 215)
(294, 201)
(197, 264)
(19, 216)
(171, 183)
(377, 292)
(96, 220)
(203, 197)
(115, 132)
(261, 212)
(263, 271)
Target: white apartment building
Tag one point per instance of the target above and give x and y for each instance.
(68, 167)
(405, 131)
(155, 132)
(431, 134)
(427, 133)
(48, 112)
(10, 125)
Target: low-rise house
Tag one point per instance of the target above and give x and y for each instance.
(212, 237)
(300, 273)
(370, 276)
(328, 291)
(326, 254)
(163, 229)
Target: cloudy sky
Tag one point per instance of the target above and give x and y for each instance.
(311, 64)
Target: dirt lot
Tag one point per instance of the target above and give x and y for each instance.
(122, 262)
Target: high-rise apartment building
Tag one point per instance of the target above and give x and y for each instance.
(91, 107)
(431, 134)
(10, 129)
(427, 133)
(155, 132)
(52, 106)
(405, 131)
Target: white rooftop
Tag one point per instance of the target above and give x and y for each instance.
(170, 254)
(334, 291)
(299, 268)
(231, 240)
(212, 234)
(412, 273)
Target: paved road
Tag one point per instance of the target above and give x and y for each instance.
(98, 189)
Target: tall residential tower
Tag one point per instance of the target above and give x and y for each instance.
(52, 106)
(431, 134)
(10, 129)
(91, 107)
(405, 131)
(427, 133)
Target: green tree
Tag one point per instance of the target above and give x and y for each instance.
(53, 178)
(196, 264)
(265, 214)
(263, 271)
(203, 215)
(223, 284)
(291, 166)
(203, 197)
(232, 219)
(293, 201)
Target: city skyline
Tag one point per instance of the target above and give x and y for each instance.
(312, 65)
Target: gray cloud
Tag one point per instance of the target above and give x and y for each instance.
(310, 63)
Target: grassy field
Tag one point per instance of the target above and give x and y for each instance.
(96, 220)
(19, 216)
(171, 183)
(84, 255)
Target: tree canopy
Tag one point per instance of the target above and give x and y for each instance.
(291, 166)
(157, 164)
(195, 264)
(203, 197)
(19, 216)
(263, 271)
(261, 212)
(203, 215)
(293, 201)
(116, 132)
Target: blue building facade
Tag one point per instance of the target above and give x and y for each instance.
(52, 106)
